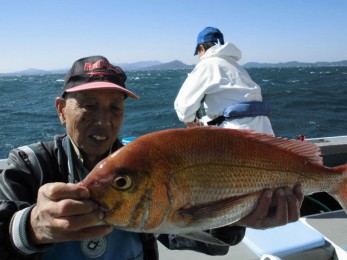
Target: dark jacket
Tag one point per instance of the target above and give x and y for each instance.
(20, 181)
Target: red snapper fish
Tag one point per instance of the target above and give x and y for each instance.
(187, 180)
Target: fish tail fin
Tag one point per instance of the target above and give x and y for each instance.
(341, 194)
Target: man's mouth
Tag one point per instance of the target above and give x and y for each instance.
(99, 137)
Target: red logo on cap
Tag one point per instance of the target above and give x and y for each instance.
(100, 64)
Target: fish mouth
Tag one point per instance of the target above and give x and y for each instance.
(99, 189)
(107, 212)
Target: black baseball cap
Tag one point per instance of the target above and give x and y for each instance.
(96, 72)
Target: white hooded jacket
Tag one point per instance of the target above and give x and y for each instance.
(219, 81)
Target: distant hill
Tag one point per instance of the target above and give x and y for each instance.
(34, 72)
(141, 65)
(176, 64)
(173, 65)
(293, 64)
(138, 65)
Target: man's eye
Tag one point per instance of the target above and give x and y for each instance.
(116, 108)
(88, 106)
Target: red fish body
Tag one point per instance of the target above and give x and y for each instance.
(185, 180)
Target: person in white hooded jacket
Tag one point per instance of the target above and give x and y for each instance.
(222, 89)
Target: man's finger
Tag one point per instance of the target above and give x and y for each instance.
(282, 207)
(69, 207)
(78, 222)
(264, 204)
(58, 191)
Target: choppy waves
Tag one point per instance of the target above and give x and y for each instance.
(308, 101)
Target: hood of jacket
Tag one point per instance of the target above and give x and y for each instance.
(226, 50)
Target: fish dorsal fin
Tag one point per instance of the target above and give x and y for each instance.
(309, 150)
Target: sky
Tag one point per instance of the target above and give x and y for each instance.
(52, 34)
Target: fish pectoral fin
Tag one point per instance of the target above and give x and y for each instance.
(204, 237)
(211, 210)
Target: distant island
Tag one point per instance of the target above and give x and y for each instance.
(291, 64)
(178, 65)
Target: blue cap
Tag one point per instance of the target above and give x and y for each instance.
(209, 34)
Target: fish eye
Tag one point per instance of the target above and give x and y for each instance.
(122, 182)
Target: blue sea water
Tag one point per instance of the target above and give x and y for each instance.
(307, 100)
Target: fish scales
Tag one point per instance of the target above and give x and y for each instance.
(232, 172)
(206, 177)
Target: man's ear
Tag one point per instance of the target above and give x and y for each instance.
(60, 104)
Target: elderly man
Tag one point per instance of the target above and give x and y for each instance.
(45, 214)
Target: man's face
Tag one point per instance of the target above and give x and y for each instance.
(92, 119)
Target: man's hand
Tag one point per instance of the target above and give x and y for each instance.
(65, 212)
(195, 123)
(276, 209)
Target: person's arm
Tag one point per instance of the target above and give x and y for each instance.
(64, 212)
(27, 221)
(231, 235)
(18, 188)
(192, 91)
(195, 123)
